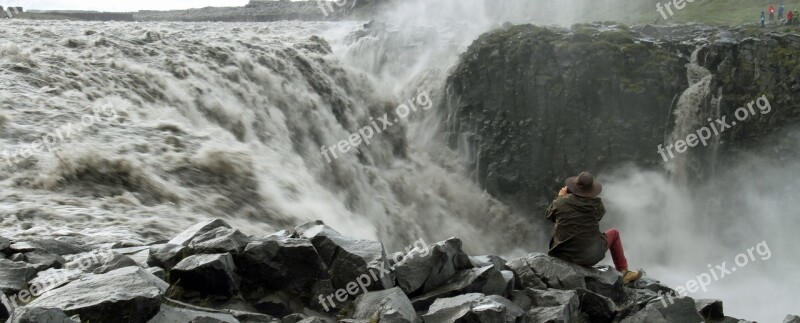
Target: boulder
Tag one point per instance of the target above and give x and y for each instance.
(42, 260)
(595, 307)
(667, 309)
(559, 274)
(220, 240)
(280, 263)
(791, 319)
(40, 315)
(486, 280)
(421, 271)
(51, 279)
(158, 272)
(348, 258)
(473, 307)
(710, 309)
(278, 303)
(5, 308)
(483, 261)
(185, 237)
(652, 285)
(172, 314)
(128, 294)
(47, 246)
(89, 261)
(207, 274)
(553, 314)
(101, 265)
(14, 275)
(4, 243)
(391, 305)
(140, 254)
(167, 255)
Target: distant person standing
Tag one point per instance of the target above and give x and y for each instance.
(780, 12)
(789, 17)
(762, 19)
(771, 13)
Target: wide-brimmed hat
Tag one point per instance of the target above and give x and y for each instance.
(584, 185)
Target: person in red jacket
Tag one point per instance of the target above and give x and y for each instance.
(771, 13)
(790, 17)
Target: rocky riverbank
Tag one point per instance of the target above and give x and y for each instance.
(213, 273)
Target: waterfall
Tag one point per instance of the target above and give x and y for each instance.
(220, 120)
(694, 106)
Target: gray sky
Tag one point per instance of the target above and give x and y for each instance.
(120, 5)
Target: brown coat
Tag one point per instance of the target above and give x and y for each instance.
(577, 238)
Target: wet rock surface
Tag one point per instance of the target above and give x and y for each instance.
(569, 99)
(294, 276)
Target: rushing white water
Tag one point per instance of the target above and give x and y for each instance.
(214, 120)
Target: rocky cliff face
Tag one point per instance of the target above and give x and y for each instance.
(529, 106)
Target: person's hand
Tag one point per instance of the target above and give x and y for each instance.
(563, 192)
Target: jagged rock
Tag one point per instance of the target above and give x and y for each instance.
(509, 278)
(91, 261)
(524, 276)
(421, 271)
(348, 258)
(559, 274)
(486, 280)
(483, 261)
(47, 246)
(552, 314)
(166, 255)
(5, 308)
(596, 307)
(207, 274)
(245, 317)
(129, 294)
(791, 319)
(114, 262)
(172, 314)
(278, 303)
(281, 264)
(710, 309)
(220, 240)
(139, 254)
(14, 275)
(550, 305)
(391, 305)
(4, 243)
(40, 315)
(185, 237)
(652, 285)
(42, 260)
(473, 307)
(675, 309)
(158, 272)
(51, 279)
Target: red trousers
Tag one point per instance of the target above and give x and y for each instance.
(615, 246)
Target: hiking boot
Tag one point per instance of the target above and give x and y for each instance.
(630, 276)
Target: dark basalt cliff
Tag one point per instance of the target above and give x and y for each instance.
(529, 106)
